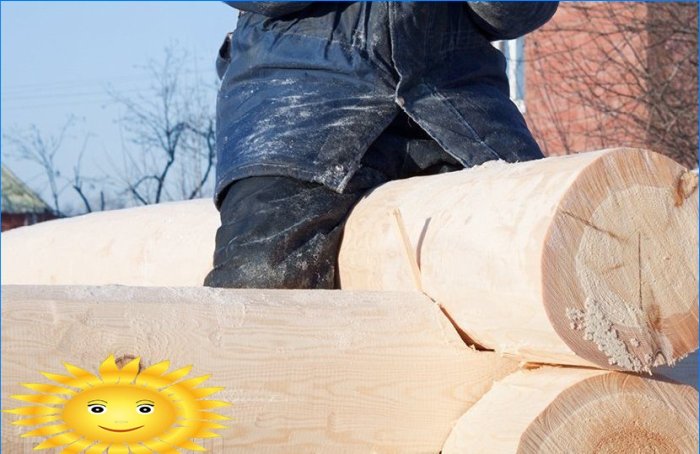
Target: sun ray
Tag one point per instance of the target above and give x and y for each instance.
(177, 374)
(109, 372)
(97, 448)
(156, 377)
(178, 435)
(36, 421)
(81, 374)
(191, 446)
(212, 416)
(199, 429)
(33, 411)
(118, 449)
(48, 388)
(193, 382)
(77, 447)
(210, 404)
(205, 434)
(156, 369)
(67, 380)
(159, 446)
(57, 441)
(210, 425)
(151, 381)
(44, 399)
(46, 431)
(204, 392)
(140, 449)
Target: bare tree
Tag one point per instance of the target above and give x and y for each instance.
(42, 150)
(172, 155)
(172, 127)
(79, 183)
(45, 151)
(612, 73)
(205, 147)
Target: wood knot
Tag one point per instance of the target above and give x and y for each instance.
(123, 360)
(687, 184)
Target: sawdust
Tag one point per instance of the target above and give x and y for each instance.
(599, 330)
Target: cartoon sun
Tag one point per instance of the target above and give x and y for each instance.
(121, 411)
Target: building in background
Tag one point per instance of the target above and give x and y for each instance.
(610, 74)
(20, 205)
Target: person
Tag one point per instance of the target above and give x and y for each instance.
(322, 101)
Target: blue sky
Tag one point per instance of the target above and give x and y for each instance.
(58, 58)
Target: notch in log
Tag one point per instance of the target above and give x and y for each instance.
(585, 259)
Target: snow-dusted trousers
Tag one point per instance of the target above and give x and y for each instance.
(280, 232)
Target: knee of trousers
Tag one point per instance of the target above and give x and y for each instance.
(311, 265)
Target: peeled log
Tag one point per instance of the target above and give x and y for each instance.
(156, 245)
(579, 410)
(306, 371)
(587, 259)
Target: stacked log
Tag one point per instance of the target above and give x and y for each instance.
(337, 371)
(305, 371)
(587, 259)
(155, 245)
(579, 410)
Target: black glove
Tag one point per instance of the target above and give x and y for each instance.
(509, 20)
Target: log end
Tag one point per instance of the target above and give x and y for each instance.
(615, 413)
(620, 263)
(555, 409)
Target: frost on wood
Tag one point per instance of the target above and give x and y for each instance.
(599, 330)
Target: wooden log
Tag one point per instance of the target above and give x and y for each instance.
(170, 244)
(552, 410)
(305, 371)
(587, 259)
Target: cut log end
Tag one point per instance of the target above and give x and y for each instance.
(622, 253)
(615, 413)
(579, 410)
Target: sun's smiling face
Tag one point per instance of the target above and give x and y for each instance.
(120, 410)
(119, 413)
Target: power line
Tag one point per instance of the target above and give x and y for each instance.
(34, 96)
(41, 106)
(68, 84)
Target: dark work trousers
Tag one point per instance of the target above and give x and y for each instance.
(279, 232)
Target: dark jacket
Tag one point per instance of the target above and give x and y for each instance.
(307, 87)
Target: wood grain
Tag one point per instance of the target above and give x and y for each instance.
(306, 371)
(585, 259)
(557, 410)
(156, 245)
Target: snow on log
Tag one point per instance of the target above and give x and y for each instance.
(587, 259)
(305, 371)
(578, 410)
